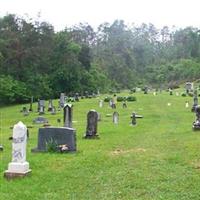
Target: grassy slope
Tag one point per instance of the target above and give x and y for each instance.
(157, 159)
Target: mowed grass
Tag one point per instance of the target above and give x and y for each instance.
(157, 159)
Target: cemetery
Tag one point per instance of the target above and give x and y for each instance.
(147, 150)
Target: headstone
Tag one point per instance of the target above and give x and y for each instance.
(1, 147)
(99, 117)
(25, 111)
(50, 106)
(177, 94)
(124, 105)
(170, 91)
(196, 124)
(100, 103)
(92, 120)
(41, 106)
(145, 90)
(76, 97)
(62, 100)
(154, 93)
(115, 117)
(38, 105)
(40, 120)
(56, 136)
(68, 114)
(19, 167)
(31, 105)
(53, 111)
(186, 104)
(195, 102)
(133, 117)
(188, 87)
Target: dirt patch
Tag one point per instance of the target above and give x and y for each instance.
(118, 151)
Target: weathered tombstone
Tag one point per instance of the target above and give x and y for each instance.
(68, 114)
(62, 100)
(56, 137)
(1, 147)
(25, 111)
(19, 167)
(177, 94)
(31, 105)
(170, 91)
(124, 105)
(42, 107)
(99, 117)
(76, 97)
(195, 103)
(196, 124)
(100, 103)
(40, 120)
(53, 111)
(145, 90)
(92, 120)
(133, 117)
(186, 104)
(50, 106)
(115, 117)
(188, 87)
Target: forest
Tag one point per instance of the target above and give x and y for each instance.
(35, 60)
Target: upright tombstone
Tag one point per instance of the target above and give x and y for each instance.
(133, 119)
(50, 106)
(19, 167)
(100, 103)
(62, 100)
(115, 117)
(25, 111)
(92, 120)
(76, 97)
(170, 91)
(188, 87)
(145, 90)
(195, 102)
(31, 105)
(124, 105)
(68, 114)
(53, 111)
(186, 104)
(42, 107)
(196, 124)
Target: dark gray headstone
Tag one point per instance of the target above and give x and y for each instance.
(195, 103)
(25, 111)
(196, 124)
(133, 117)
(68, 114)
(62, 100)
(58, 136)
(92, 120)
(31, 105)
(50, 105)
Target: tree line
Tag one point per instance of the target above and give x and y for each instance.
(35, 60)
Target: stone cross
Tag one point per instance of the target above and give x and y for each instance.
(133, 117)
(92, 120)
(68, 114)
(62, 100)
(115, 117)
(19, 166)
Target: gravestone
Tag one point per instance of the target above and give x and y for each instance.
(92, 120)
(195, 102)
(68, 114)
(25, 111)
(53, 112)
(133, 117)
(41, 107)
(58, 136)
(188, 87)
(31, 105)
(38, 105)
(19, 167)
(1, 147)
(76, 97)
(40, 120)
(99, 117)
(115, 117)
(124, 105)
(186, 104)
(196, 124)
(170, 91)
(50, 106)
(62, 100)
(145, 90)
(100, 103)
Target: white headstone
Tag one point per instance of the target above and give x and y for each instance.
(100, 103)
(115, 117)
(186, 104)
(19, 163)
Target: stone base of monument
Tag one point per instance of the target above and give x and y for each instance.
(91, 137)
(17, 170)
(58, 136)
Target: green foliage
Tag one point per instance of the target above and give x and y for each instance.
(107, 99)
(120, 99)
(131, 98)
(51, 146)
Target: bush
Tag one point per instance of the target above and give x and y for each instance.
(120, 99)
(131, 98)
(183, 95)
(107, 99)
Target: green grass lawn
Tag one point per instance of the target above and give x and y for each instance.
(159, 158)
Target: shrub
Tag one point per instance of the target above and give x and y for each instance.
(107, 99)
(183, 95)
(120, 99)
(131, 98)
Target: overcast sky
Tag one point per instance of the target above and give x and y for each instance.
(62, 13)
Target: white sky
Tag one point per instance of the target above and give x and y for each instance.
(62, 13)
